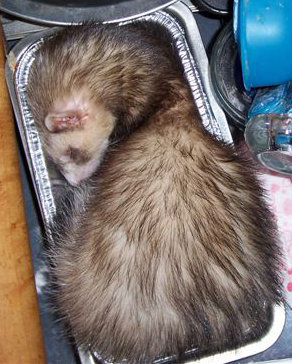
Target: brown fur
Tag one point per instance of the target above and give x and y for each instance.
(103, 74)
(170, 246)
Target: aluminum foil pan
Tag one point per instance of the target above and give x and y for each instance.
(49, 183)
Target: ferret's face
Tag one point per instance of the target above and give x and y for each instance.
(77, 159)
(77, 137)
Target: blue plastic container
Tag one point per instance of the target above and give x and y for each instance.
(263, 32)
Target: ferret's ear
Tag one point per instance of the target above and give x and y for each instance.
(65, 121)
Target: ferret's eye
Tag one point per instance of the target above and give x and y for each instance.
(72, 152)
(79, 156)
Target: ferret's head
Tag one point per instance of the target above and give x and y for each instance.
(76, 134)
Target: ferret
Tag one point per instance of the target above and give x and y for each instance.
(167, 245)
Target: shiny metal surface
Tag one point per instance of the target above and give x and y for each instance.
(216, 120)
(58, 12)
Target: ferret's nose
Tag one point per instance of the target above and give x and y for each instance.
(73, 180)
(75, 174)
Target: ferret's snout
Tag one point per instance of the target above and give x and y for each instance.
(73, 180)
(76, 178)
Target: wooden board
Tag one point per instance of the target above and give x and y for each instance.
(20, 329)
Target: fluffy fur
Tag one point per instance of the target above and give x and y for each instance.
(170, 246)
(82, 83)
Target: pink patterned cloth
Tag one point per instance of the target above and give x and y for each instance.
(279, 189)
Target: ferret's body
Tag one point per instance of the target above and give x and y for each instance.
(170, 245)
